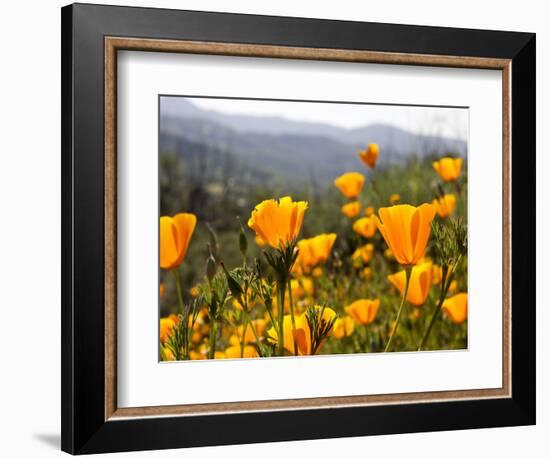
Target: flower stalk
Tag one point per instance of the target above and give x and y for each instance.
(179, 290)
(184, 316)
(293, 319)
(249, 322)
(408, 270)
(213, 336)
(280, 317)
(446, 280)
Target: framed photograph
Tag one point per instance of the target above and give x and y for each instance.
(270, 222)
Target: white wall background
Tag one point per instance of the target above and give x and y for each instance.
(30, 225)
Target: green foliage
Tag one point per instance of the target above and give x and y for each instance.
(450, 241)
(320, 328)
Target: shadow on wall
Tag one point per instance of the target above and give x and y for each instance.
(50, 439)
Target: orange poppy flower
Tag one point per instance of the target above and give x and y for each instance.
(448, 168)
(363, 310)
(343, 327)
(234, 352)
(278, 223)
(406, 230)
(445, 205)
(456, 308)
(365, 226)
(351, 209)
(314, 251)
(370, 155)
(420, 282)
(302, 334)
(350, 184)
(175, 234)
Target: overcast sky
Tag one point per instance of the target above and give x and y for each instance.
(448, 122)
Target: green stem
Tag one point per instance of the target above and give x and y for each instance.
(292, 319)
(268, 308)
(403, 300)
(188, 330)
(245, 323)
(182, 313)
(213, 335)
(271, 317)
(280, 316)
(250, 322)
(458, 187)
(245, 326)
(375, 189)
(367, 342)
(445, 284)
(179, 290)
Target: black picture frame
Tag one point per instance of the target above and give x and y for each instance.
(84, 427)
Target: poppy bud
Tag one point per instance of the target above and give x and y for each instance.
(243, 242)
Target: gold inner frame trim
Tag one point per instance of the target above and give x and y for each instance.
(114, 44)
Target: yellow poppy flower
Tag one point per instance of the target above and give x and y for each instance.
(369, 211)
(365, 226)
(278, 223)
(363, 310)
(456, 308)
(406, 230)
(370, 155)
(448, 168)
(364, 253)
(445, 205)
(453, 286)
(350, 184)
(317, 272)
(419, 283)
(301, 287)
(259, 327)
(168, 355)
(166, 326)
(196, 355)
(175, 234)
(302, 334)
(200, 321)
(366, 273)
(234, 352)
(288, 335)
(314, 251)
(197, 337)
(351, 209)
(194, 291)
(201, 318)
(234, 340)
(343, 327)
(394, 198)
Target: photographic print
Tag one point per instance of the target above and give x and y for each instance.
(302, 228)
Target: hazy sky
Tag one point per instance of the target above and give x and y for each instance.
(448, 122)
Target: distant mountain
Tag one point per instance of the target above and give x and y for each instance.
(283, 146)
(182, 107)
